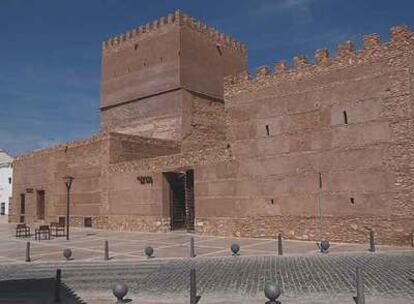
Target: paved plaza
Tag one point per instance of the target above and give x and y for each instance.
(88, 245)
(305, 275)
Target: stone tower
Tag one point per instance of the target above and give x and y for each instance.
(165, 80)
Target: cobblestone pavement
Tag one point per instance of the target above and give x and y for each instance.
(316, 278)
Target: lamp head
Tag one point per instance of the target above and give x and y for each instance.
(68, 180)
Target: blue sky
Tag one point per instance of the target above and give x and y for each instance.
(50, 49)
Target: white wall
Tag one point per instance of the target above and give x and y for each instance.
(6, 171)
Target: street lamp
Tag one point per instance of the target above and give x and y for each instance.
(68, 182)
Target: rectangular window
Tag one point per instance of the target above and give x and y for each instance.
(40, 204)
(22, 203)
(22, 219)
(88, 222)
(10, 180)
(62, 220)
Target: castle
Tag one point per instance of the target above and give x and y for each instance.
(189, 141)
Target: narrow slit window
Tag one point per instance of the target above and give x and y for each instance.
(136, 47)
(345, 117)
(267, 130)
(272, 201)
(352, 200)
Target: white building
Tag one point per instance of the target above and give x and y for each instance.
(6, 172)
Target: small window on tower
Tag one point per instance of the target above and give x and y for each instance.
(267, 130)
(136, 47)
(10, 180)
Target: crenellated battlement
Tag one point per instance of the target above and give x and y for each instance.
(372, 49)
(178, 18)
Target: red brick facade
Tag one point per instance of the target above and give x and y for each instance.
(324, 149)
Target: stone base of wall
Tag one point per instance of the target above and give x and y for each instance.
(132, 223)
(393, 231)
(115, 222)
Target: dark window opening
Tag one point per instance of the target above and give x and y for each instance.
(228, 146)
(87, 222)
(345, 118)
(219, 50)
(272, 201)
(21, 219)
(352, 200)
(22, 203)
(136, 47)
(267, 130)
(320, 180)
(40, 204)
(10, 180)
(62, 220)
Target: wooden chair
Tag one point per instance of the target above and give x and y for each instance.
(58, 229)
(22, 230)
(42, 230)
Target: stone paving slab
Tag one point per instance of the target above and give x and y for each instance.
(88, 244)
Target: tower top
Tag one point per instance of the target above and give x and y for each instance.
(178, 18)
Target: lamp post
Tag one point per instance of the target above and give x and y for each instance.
(68, 182)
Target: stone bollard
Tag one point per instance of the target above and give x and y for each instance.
(193, 287)
(371, 241)
(149, 252)
(324, 246)
(235, 248)
(272, 292)
(192, 249)
(120, 290)
(67, 253)
(58, 281)
(279, 244)
(359, 280)
(28, 252)
(106, 251)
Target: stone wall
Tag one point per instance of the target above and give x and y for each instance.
(388, 230)
(123, 147)
(44, 170)
(344, 121)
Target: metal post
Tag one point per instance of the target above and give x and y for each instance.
(106, 253)
(371, 241)
(68, 182)
(279, 244)
(320, 207)
(193, 287)
(57, 285)
(67, 212)
(28, 252)
(360, 297)
(192, 250)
